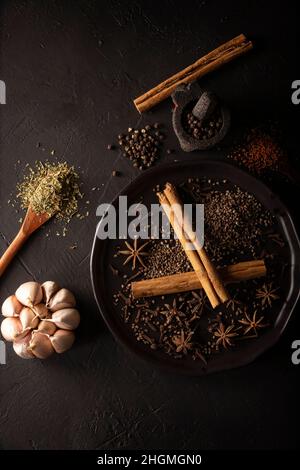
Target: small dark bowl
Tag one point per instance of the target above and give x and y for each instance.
(182, 97)
(105, 284)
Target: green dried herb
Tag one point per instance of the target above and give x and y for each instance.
(51, 188)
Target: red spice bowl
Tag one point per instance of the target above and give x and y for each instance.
(107, 273)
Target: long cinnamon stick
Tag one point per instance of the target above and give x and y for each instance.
(211, 61)
(184, 282)
(191, 254)
(174, 199)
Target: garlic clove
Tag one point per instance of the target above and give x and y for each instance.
(41, 311)
(40, 346)
(29, 293)
(11, 328)
(62, 340)
(47, 327)
(20, 336)
(62, 299)
(11, 307)
(49, 288)
(67, 318)
(21, 348)
(28, 318)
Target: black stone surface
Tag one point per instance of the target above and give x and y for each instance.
(71, 70)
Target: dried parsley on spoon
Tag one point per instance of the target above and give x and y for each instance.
(51, 188)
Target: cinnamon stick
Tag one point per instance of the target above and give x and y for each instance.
(211, 61)
(184, 282)
(174, 199)
(191, 254)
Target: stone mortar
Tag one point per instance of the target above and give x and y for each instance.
(206, 103)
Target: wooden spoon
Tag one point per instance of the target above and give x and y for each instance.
(31, 223)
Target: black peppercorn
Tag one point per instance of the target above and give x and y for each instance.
(202, 130)
(141, 145)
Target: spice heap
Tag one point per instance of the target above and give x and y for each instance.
(51, 188)
(234, 223)
(183, 324)
(259, 152)
(142, 146)
(40, 319)
(202, 130)
(166, 257)
(169, 327)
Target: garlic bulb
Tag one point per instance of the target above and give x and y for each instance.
(11, 307)
(21, 348)
(40, 319)
(62, 340)
(29, 293)
(47, 328)
(49, 288)
(11, 328)
(67, 318)
(28, 318)
(62, 299)
(41, 311)
(40, 346)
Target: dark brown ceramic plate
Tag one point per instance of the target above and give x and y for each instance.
(105, 284)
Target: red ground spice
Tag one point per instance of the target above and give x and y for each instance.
(259, 152)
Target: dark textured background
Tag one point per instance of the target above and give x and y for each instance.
(71, 69)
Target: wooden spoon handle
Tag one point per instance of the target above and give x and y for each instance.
(12, 250)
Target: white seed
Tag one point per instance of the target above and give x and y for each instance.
(11, 307)
(29, 293)
(49, 288)
(47, 327)
(41, 346)
(62, 299)
(62, 340)
(21, 348)
(11, 328)
(28, 318)
(41, 311)
(67, 318)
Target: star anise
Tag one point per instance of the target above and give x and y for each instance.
(267, 294)
(172, 311)
(196, 305)
(252, 324)
(134, 253)
(234, 304)
(183, 343)
(225, 335)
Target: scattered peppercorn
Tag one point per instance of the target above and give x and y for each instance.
(141, 146)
